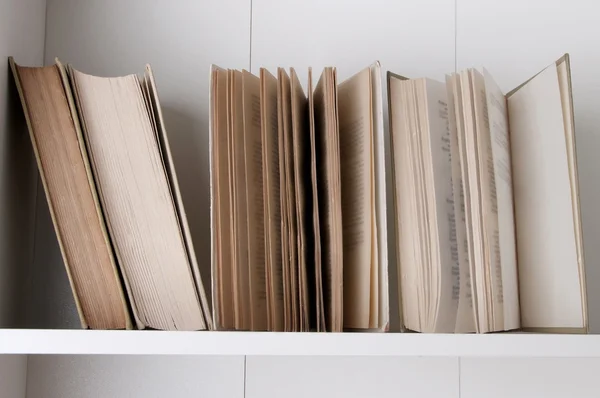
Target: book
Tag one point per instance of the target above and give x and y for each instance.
(133, 169)
(299, 240)
(486, 197)
(72, 197)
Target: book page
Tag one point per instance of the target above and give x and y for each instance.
(290, 193)
(403, 203)
(465, 319)
(441, 156)
(240, 207)
(255, 203)
(356, 155)
(489, 203)
(271, 180)
(564, 81)
(547, 253)
(500, 151)
(327, 181)
(380, 197)
(223, 272)
(300, 140)
(470, 158)
(318, 269)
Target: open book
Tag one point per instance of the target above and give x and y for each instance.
(298, 201)
(487, 203)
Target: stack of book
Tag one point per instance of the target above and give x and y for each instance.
(298, 201)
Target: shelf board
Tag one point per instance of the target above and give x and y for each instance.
(37, 341)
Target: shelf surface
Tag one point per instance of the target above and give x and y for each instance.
(37, 341)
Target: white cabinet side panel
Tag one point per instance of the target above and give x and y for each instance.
(83, 376)
(273, 377)
(529, 377)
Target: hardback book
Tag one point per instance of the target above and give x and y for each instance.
(486, 196)
(134, 172)
(109, 177)
(298, 210)
(72, 197)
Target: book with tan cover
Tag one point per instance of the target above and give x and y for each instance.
(72, 198)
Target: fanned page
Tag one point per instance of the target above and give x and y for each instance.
(71, 196)
(504, 239)
(319, 320)
(328, 184)
(222, 270)
(465, 322)
(545, 224)
(422, 143)
(135, 195)
(241, 292)
(289, 193)
(271, 181)
(379, 181)
(356, 157)
(447, 244)
(253, 150)
(302, 191)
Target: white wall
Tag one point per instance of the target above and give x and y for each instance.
(22, 24)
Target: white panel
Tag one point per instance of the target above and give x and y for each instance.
(51, 376)
(13, 376)
(274, 377)
(516, 39)
(529, 377)
(412, 38)
(22, 24)
(180, 40)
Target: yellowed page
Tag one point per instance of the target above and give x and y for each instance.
(125, 141)
(271, 181)
(223, 269)
(282, 80)
(328, 181)
(489, 204)
(564, 80)
(465, 317)
(546, 240)
(380, 199)
(356, 158)
(242, 276)
(448, 267)
(301, 171)
(290, 192)
(253, 152)
(404, 204)
(318, 269)
(499, 152)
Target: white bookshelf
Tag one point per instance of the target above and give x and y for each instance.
(88, 342)
(42, 354)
